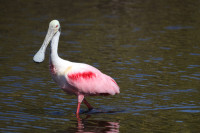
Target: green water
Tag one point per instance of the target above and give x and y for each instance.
(150, 47)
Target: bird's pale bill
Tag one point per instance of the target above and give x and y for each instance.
(53, 28)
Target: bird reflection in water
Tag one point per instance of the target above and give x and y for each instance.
(94, 126)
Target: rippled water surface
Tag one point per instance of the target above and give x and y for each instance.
(150, 47)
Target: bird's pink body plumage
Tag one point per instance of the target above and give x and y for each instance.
(78, 78)
(84, 79)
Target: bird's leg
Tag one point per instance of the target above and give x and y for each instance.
(80, 99)
(87, 104)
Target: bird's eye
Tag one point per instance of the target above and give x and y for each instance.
(56, 26)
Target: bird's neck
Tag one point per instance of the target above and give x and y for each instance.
(54, 48)
(56, 63)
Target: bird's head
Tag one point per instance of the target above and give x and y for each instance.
(54, 27)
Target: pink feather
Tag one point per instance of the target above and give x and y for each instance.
(90, 81)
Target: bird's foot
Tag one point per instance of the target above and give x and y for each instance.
(89, 109)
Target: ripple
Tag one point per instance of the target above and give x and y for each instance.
(73, 42)
(110, 36)
(143, 101)
(189, 111)
(78, 24)
(190, 77)
(128, 45)
(136, 29)
(193, 66)
(35, 81)
(10, 78)
(198, 54)
(165, 48)
(17, 68)
(178, 27)
(196, 74)
(177, 91)
(74, 51)
(157, 58)
(145, 39)
(143, 75)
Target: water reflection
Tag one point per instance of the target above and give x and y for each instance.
(87, 125)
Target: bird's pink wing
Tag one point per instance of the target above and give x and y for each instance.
(90, 81)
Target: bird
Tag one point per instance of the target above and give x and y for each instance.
(77, 79)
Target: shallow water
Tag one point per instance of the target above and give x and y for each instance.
(151, 48)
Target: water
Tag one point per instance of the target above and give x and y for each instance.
(151, 48)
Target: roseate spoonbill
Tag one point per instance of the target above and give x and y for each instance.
(74, 78)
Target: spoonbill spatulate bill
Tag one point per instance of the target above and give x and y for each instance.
(74, 78)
